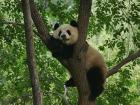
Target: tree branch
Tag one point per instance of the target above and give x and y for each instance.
(42, 29)
(16, 24)
(10, 22)
(38, 21)
(116, 68)
(30, 53)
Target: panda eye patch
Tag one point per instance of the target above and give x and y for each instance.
(59, 33)
(68, 31)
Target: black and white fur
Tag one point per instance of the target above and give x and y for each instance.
(63, 41)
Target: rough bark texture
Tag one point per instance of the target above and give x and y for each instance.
(42, 29)
(30, 53)
(77, 63)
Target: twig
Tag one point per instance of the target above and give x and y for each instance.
(10, 22)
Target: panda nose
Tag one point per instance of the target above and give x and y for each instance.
(63, 36)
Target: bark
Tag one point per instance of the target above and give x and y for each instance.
(38, 21)
(77, 63)
(30, 53)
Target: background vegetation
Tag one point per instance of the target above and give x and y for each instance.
(114, 29)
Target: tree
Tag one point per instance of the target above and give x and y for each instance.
(77, 62)
(108, 15)
(30, 53)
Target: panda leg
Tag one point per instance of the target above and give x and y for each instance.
(70, 83)
(96, 81)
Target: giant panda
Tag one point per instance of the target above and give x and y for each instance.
(63, 41)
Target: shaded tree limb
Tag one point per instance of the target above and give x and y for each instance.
(37, 99)
(11, 22)
(42, 29)
(116, 68)
(38, 21)
(16, 24)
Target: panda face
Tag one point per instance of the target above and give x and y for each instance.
(67, 33)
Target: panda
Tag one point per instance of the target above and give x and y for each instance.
(63, 41)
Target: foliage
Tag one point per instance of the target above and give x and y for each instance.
(114, 28)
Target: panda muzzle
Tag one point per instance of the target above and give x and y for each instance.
(63, 37)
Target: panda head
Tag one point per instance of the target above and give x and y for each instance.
(67, 33)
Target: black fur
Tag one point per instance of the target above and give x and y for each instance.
(73, 23)
(59, 49)
(96, 80)
(95, 76)
(70, 83)
(56, 26)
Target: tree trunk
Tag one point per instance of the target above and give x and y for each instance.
(30, 53)
(78, 61)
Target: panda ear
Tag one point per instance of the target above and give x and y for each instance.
(73, 23)
(56, 25)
